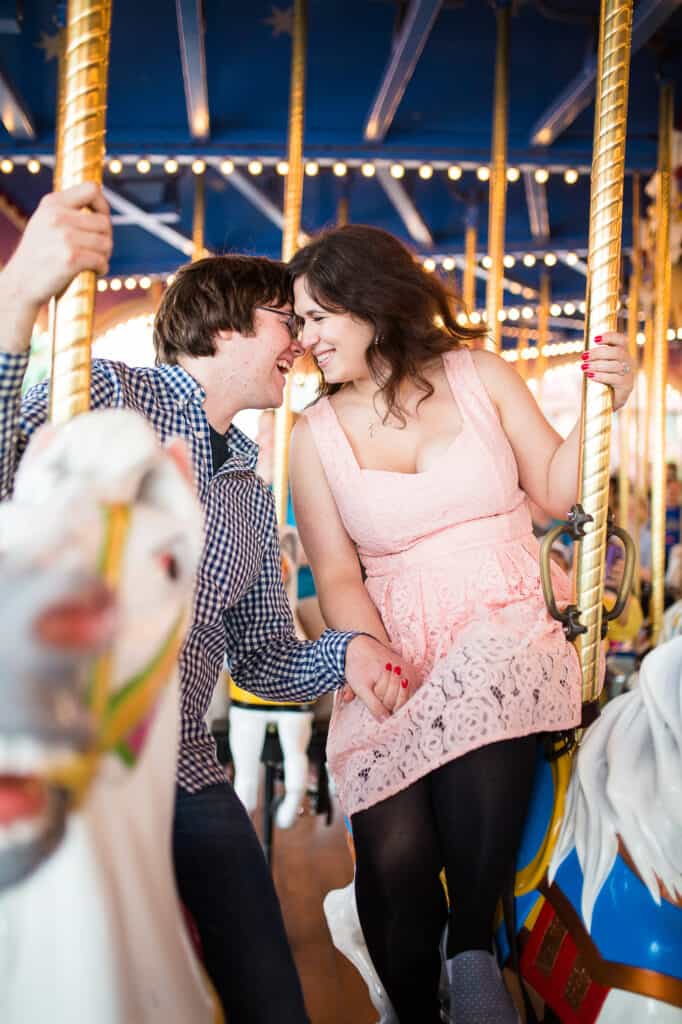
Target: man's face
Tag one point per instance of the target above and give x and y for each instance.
(257, 365)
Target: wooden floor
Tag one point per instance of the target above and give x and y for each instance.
(309, 860)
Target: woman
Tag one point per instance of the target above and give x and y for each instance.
(413, 471)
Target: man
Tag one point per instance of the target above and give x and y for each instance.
(224, 340)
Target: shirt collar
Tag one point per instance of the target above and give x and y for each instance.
(180, 383)
(242, 445)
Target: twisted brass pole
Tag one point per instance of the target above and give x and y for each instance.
(625, 416)
(56, 185)
(469, 275)
(86, 60)
(543, 331)
(199, 218)
(342, 212)
(498, 178)
(660, 359)
(606, 209)
(293, 198)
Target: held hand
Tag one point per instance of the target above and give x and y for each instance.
(609, 363)
(375, 674)
(69, 232)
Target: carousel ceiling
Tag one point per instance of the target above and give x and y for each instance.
(397, 124)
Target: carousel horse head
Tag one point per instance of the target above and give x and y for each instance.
(98, 496)
(625, 793)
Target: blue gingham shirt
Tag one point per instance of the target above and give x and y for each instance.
(240, 607)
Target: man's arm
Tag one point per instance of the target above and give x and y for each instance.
(266, 657)
(69, 232)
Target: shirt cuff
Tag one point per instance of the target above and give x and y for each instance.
(333, 647)
(12, 371)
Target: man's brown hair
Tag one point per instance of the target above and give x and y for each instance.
(218, 293)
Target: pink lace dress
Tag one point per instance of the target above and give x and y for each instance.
(452, 566)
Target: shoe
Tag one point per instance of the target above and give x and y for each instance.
(478, 995)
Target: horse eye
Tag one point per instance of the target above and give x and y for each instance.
(170, 565)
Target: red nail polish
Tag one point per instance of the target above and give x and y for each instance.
(389, 667)
(590, 375)
(404, 684)
(598, 338)
(398, 670)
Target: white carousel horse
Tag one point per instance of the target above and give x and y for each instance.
(96, 932)
(250, 717)
(603, 937)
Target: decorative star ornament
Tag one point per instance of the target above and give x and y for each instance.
(281, 21)
(49, 45)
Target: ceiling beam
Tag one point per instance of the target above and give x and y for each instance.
(405, 207)
(257, 198)
(648, 17)
(14, 114)
(125, 220)
(190, 15)
(538, 213)
(407, 49)
(148, 222)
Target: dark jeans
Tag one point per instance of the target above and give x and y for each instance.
(225, 884)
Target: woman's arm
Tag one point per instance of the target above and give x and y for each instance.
(344, 601)
(548, 465)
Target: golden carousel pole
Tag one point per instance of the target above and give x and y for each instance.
(498, 177)
(199, 218)
(469, 274)
(342, 212)
(293, 198)
(606, 209)
(625, 416)
(660, 359)
(56, 178)
(543, 331)
(86, 61)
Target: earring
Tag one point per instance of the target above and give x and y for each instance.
(377, 339)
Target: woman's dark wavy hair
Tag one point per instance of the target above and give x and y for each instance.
(368, 273)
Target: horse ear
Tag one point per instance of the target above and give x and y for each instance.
(179, 453)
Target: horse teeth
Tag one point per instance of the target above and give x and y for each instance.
(24, 831)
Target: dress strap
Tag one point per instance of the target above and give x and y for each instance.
(467, 387)
(333, 447)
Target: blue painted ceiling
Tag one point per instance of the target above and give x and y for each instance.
(444, 116)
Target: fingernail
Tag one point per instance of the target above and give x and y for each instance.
(403, 683)
(598, 338)
(398, 670)
(590, 375)
(389, 667)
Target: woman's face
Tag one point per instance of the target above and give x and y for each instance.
(338, 341)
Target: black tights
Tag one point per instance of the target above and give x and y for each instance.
(467, 817)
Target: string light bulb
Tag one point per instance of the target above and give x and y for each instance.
(115, 284)
(527, 313)
(368, 170)
(145, 283)
(541, 175)
(569, 308)
(198, 166)
(171, 166)
(397, 171)
(454, 172)
(130, 283)
(429, 265)
(102, 285)
(426, 171)
(555, 309)
(33, 166)
(483, 173)
(571, 258)
(340, 169)
(312, 168)
(514, 313)
(513, 174)
(282, 168)
(529, 260)
(115, 166)
(509, 261)
(486, 262)
(550, 259)
(475, 318)
(226, 167)
(143, 165)
(255, 167)
(571, 176)
(448, 264)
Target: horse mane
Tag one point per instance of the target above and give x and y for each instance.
(627, 785)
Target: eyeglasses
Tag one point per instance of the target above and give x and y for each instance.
(293, 323)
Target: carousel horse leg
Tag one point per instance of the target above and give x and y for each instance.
(295, 728)
(247, 732)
